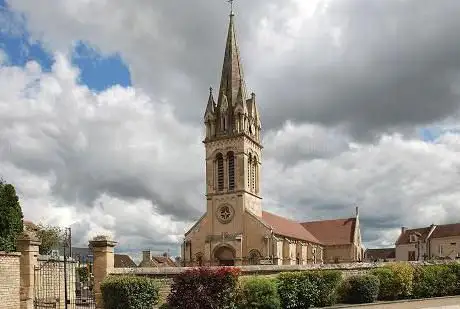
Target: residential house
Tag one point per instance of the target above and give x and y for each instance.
(149, 260)
(380, 255)
(431, 242)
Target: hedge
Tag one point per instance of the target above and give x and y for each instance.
(434, 281)
(204, 288)
(129, 292)
(259, 293)
(361, 289)
(308, 289)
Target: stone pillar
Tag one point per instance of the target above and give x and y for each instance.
(27, 244)
(103, 249)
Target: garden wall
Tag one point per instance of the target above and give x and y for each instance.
(9, 280)
(166, 274)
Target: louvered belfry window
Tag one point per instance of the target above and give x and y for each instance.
(231, 171)
(220, 172)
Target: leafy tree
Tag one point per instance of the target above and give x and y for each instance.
(10, 217)
(51, 237)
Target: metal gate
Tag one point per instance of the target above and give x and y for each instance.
(64, 284)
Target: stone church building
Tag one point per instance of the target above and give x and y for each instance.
(235, 230)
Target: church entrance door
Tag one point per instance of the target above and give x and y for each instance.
(225, 256)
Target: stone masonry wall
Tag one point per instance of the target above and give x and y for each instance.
(165, 275)
(9, 280)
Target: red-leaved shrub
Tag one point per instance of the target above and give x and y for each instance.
(205, 288)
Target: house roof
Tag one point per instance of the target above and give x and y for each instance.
(164, 261)
(382, 253)
(333, 232)
(446, 230)
(440, 231)
(404, 237)
(123, 261)
(286, 227)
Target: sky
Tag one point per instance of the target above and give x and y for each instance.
(102, 103)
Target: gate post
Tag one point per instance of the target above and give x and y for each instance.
(27, 243)
(103, 264)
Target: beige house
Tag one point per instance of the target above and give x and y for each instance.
(431, 242)
(235, 230)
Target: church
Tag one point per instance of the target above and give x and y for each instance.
(235, 230)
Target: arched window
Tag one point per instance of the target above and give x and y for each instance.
(254, 257)
(231, 170)
(220, 172)
(249, 171)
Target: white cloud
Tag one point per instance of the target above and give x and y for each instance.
(124, 162)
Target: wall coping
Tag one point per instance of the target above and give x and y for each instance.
(260, 269)
(3, 253)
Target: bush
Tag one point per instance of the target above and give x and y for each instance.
(387, 290)
(403, 279)
(327, 283)
(129, 292)
(434, 281)
(204, 288)
(258, 292)
(455, 269)
(309, 288)
(361, 289)
(296, 290)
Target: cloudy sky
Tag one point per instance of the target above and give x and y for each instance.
(101, 108)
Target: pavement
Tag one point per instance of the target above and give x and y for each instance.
(433, 303)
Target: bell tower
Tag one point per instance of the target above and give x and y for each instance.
(233, 145)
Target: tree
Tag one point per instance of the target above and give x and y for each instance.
(10, 217)
(51, 237)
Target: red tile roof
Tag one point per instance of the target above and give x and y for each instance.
(164, 261)
(440, 231)
(123, 261)
(286, 227)
(446, 230)
(333, 232)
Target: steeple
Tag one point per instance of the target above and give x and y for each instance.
(235, 112)
(232, 80)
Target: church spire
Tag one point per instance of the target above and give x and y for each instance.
(232, 80)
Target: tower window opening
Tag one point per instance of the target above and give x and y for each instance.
(231, 171)
(253, 174)
(249, 171)
(220, 172)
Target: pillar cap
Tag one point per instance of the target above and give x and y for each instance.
(102, 241)
(30, 237)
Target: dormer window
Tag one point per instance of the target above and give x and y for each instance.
(413, 238)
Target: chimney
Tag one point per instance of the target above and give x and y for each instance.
(357, 211)
(403, 229)
(146, 255)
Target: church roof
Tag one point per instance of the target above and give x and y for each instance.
(289, 228)
(333, 232)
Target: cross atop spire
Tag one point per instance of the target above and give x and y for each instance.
(231, 6)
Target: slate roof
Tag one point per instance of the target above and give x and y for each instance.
(380, 254)
(333, 232)
(286, 227)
